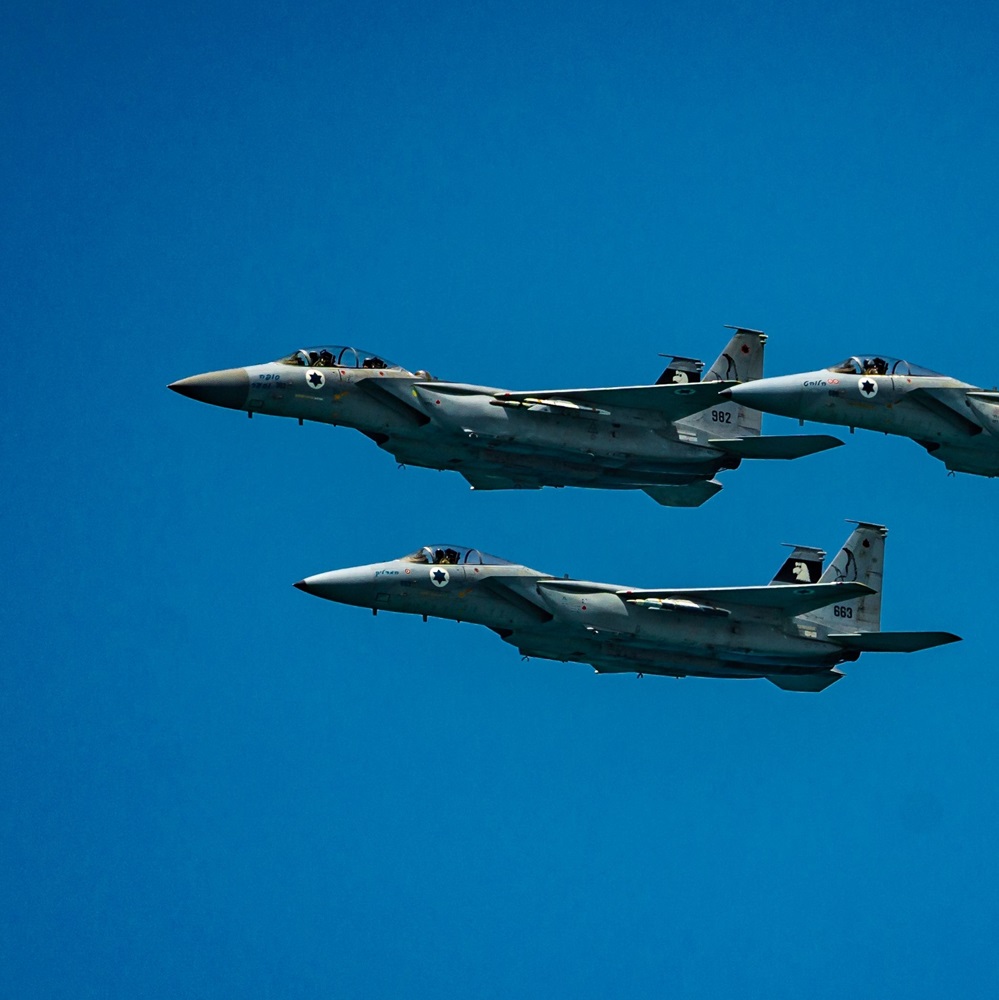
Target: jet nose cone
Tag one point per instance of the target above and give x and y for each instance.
(228, 388)
(309, 586)
(347, 586)
(780, 395)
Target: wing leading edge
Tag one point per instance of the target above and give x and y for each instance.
(789, 601)
(670, 401)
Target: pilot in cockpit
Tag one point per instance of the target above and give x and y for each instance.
(326, 359)
(875, 366)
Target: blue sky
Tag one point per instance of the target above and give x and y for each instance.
(214, 785)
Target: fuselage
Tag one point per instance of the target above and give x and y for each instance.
(606, 625)
(476, 430)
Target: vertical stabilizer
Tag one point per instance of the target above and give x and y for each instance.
(803, 565)
(862, 560)
(740, 361)
(680, 370)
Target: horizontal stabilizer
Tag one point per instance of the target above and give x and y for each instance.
(691, 495)
(892, 642)
(669, 401)
(776, 445)
(817, 681)
(790, 601)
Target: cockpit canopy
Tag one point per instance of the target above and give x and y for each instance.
(879, 364)
(453, 555)
(333, 356)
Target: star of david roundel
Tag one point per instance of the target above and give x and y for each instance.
(868, 387)
(315, 379)
(439, 577)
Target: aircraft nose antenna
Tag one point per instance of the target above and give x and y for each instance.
(229, 388)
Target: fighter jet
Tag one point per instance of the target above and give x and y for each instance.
(668, 439)
(879, 393)
(793, 631)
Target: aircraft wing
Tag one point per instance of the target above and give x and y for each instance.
(788, 600)
(671, 401)
(947, 405)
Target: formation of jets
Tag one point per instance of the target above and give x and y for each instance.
(669, 439)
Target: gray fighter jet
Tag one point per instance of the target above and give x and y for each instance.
(794, 631)
(954, 421)
(668, 439)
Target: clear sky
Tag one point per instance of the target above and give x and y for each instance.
(214, 785)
